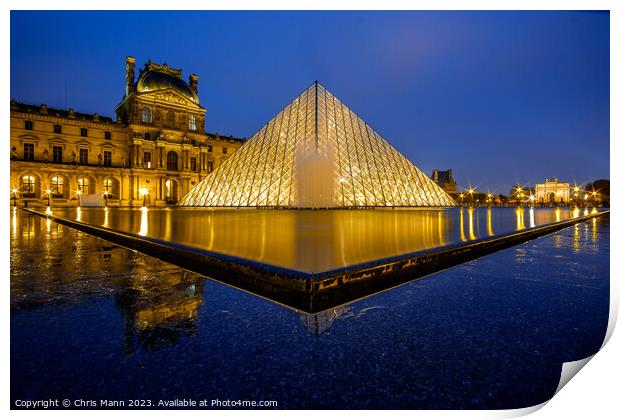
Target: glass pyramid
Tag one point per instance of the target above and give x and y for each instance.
(316, 153)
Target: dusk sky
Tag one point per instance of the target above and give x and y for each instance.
(499, 97)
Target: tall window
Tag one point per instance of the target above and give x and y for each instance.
(108, 135)
(224, 150)
(210, 166)
(107, 158)
(57, 128)
(84, 132)
(84, 156)
(192, 163)
(108, 186)
(84, 185)
(210, 149)
(146, 159)
(28, 151)
(147, 116)
(172, 161)
(28, 186)
(28, 125)
(57, 154)
(192, 122)
(57, 187)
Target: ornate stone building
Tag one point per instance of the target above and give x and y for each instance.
(553, 192)
(445, 180)
(153, 153)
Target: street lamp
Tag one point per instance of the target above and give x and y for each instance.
(105, 197)
(461, 195)
(78, 193)
(471, 191)
(14, 191)
(48, 192)
(144, 192)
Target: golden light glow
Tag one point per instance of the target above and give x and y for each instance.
(144, 221)
(472, 233)
(48, 210)
(490, 222)
(520, 218)
(462, 226)
(144, 191)
(316, 147)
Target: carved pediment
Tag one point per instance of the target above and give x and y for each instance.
(169, 96)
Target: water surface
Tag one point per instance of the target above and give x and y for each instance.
(315, 241)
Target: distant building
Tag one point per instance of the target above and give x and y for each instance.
(552, 192)
(445, 180)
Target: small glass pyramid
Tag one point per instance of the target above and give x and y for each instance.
(316, 153)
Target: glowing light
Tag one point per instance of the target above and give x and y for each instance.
(48, 210)
(472, 233)
(355, 168)
(520, 219)
(14, 190)
(144, 221)
(144, 191)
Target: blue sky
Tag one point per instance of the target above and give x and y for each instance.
(499, 97)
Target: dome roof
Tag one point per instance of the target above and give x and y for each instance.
(152, 80)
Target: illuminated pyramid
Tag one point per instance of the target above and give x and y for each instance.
(316, 153)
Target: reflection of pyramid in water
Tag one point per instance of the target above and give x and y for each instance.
(316, 153)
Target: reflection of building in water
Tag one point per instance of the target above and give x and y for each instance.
(445, 180)
(160, 307)
(553, 192)
(320, 322)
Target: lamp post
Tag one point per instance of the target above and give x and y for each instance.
(14, 191)
(48, 192)
(576, 192)
(78, 193)
(105, 197)
(471, 194)
(144, 191)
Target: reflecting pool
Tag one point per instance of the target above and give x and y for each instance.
(315, 241)
(92, 320)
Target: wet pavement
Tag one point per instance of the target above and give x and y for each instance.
(93, 320)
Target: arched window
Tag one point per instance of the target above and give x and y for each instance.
(28, 186)
(147, 116)
(84, 185)
(192, 122)
(57, 186)
(172, 161)
(110, 186)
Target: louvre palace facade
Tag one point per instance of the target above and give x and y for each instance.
(153, 153)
